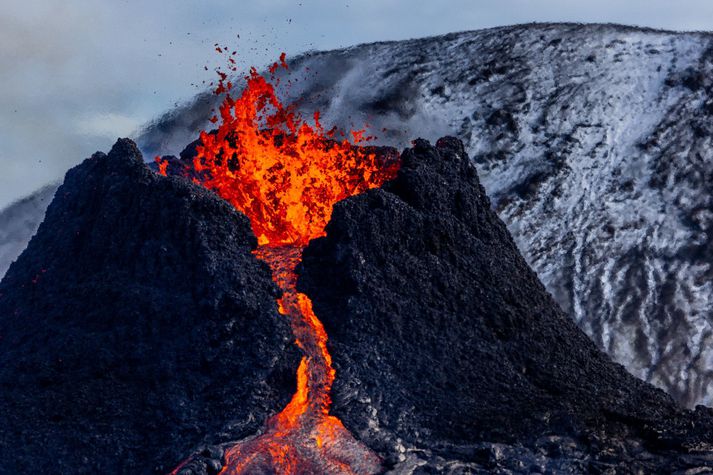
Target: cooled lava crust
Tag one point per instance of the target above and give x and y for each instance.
(443, 337)
(136, 327)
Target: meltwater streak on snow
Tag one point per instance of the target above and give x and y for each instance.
(594, 143)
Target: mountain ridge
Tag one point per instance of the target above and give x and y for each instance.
(594, 145)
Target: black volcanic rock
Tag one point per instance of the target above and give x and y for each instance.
(447, 346)
(135, 327)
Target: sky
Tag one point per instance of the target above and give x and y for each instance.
(77, 74)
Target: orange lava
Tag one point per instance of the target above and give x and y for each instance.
(279, 170)
(286, 175)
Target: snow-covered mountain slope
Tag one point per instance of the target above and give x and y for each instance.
(18, 223)
(594, 143)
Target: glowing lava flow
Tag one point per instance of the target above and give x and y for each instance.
(286, 176)
(303, 438)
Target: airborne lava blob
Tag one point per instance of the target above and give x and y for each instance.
(286, 175)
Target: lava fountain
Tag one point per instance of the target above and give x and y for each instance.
(286, 175)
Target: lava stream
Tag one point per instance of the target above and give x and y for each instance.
(303, 438)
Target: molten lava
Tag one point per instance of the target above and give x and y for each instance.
(286, 175)
(279, 170)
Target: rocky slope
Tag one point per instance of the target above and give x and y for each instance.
(19, 222)
(136, 327)
(594, 144)
(451, 356)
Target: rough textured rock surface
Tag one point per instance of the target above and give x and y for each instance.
(446, 344)
(136, 327)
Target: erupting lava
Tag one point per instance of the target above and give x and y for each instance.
(283, 173)
(286, 176)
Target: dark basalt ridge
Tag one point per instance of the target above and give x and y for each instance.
(452, 357)
(136, 327)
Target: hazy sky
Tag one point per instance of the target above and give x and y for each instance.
(76, 74)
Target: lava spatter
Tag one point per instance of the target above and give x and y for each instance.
(282, 172)
(286, 175)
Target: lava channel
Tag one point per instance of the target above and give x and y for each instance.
(286, 175)
(303, 438)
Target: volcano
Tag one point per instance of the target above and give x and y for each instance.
(143, 336)
(444, 338)
(592, 141)
(280, 299)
